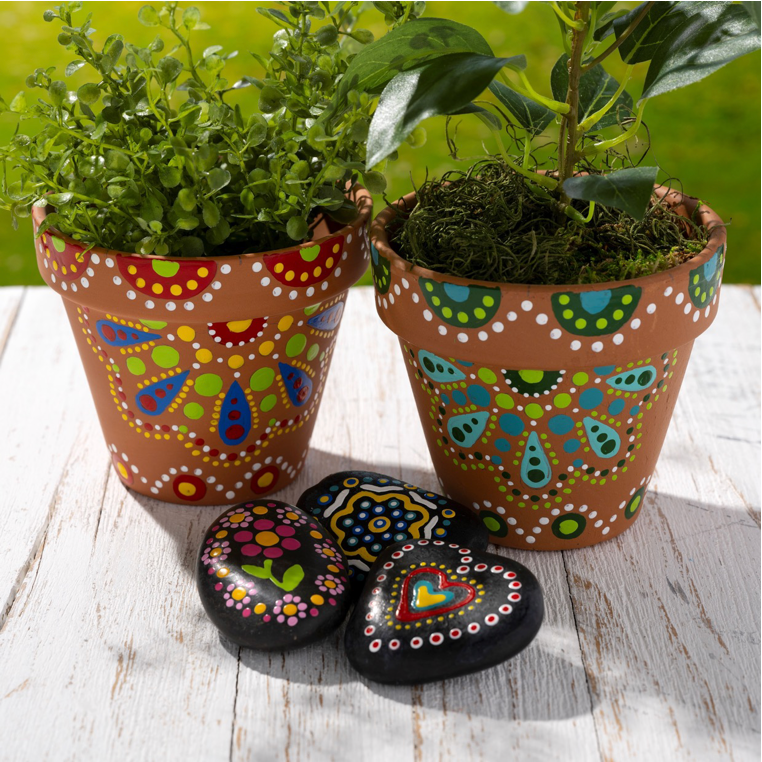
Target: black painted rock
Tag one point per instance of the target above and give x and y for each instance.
(270, 577)
(432, 610)
(368, 512)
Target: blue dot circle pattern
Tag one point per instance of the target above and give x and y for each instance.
(561, 424)
(590, 399)
(578, 462)
(616, 407)
(571, 445)
(605, 370)
(634, 410)
(478, 395)
(511, 424)
(503, 445)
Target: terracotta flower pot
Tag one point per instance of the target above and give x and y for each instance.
(207, 373)
(545, 407)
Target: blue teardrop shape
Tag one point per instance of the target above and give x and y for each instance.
(594, 302)
(437, 369)
(535, 469)
(298, 384)
(156, 398)
(602, 438)
(466, 429)
(329, 319)
(634, 380)
(235, 416)
(116, 335)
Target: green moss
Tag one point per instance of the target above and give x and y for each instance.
(486, 224)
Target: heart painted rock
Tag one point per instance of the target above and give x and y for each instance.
(271, 577)
(433, 610)
(368, 512)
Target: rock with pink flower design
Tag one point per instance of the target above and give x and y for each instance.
(270, 577)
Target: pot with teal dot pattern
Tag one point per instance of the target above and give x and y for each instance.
(207, 373)
(545, 407)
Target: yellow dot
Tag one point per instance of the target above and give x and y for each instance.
(216, 552)
(285, 323)
(192, 284)
(332, 568)
(318, 600)
(267, 539)
(238, 326)
(236, 518)
(330, 583)
(238, 594)
(223, 572)
(316, 272)
(266, 347)
(122, 470)
(175, 290)
(222, 533)
(260, 608)
(235, 361)
(186, 333)
(329, 262)
(336, 249)
(290, 609)
(265, 480)
(157, 288)
(204, 355)
(279, 267)
(303, 277)
(260, 510)
(202, 272)
(316, 535)
(186, 488)
(140, 283)
(132, 269)
(290, 275)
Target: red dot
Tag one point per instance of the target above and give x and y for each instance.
(160, 393)
(263, 524)
(149, 426)
(273, 552)
(108, 332)
(199, 441)
(214, 453)
(234, 415)
(242, 536)
(291, 544)
(148, 402)
(121, 334)
(285, 531)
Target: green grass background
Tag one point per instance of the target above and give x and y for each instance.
(708, 135)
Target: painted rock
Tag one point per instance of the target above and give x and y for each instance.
(368, 512)
(270, 577)
(433, 610)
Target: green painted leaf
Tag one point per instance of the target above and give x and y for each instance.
(701, 45)
(291, 578)
(626, 189)
(596, 88)
(753, 9)
(260, 572)
(405, 48)
(440, 87)
(532, 116)
(514, 7)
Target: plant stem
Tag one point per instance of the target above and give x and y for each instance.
(571, 119)
(619, 40)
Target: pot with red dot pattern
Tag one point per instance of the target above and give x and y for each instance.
(545, 407)
(207, 373)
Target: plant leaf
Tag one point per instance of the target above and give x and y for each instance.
(491, 120)
(700, 46)
(169, 69)
(148, 16)
(441, 87)
(88, 93)
(73, 67)
(626, 189)
(605, 25)
(596, 88)
(405, 48)
(18, 104)
(753, 9)
(511, 7)
(218, 178)
(532, 116)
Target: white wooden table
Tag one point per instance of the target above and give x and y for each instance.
(650, 648)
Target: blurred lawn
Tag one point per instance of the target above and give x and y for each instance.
(708, 135)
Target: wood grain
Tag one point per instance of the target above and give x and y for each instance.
(650, 647)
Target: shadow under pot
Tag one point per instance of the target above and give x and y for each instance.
(545, 407)
(207, 373)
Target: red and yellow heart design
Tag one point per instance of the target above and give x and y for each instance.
(427, 592)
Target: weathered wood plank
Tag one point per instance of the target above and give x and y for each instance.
(668, 613)
(46, 407)
(10, 301)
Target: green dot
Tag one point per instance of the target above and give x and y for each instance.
(486, 375)
(462, 317)
(193, 410)
(627, 298)
(312, 352)
(296, 345)
(58, 244)
(568, 314)
(268, 403)
(155, 324)
(531, 376)
(136, 366)
(309, 253)
(488, 301)
(491, 523)
(580, 379)
(164, 268)
(208, 384)
(479, 313)
(182, 429)
(165, 357)
(504, 401)
(534, 410)
(429, 287)
(563, 299)
(447, 312)
(436, 301)
(310, 310)
(115, 368)
(261, 379)
(580, 323)
(562, 400)
(568, 527)
(618, 314)
(602, 322)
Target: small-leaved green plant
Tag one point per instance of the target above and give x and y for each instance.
(153, 154)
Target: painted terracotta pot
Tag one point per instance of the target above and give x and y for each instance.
(207, 373)
(545, 407)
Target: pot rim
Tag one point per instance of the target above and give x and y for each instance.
(681, 202)
(358, 193)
